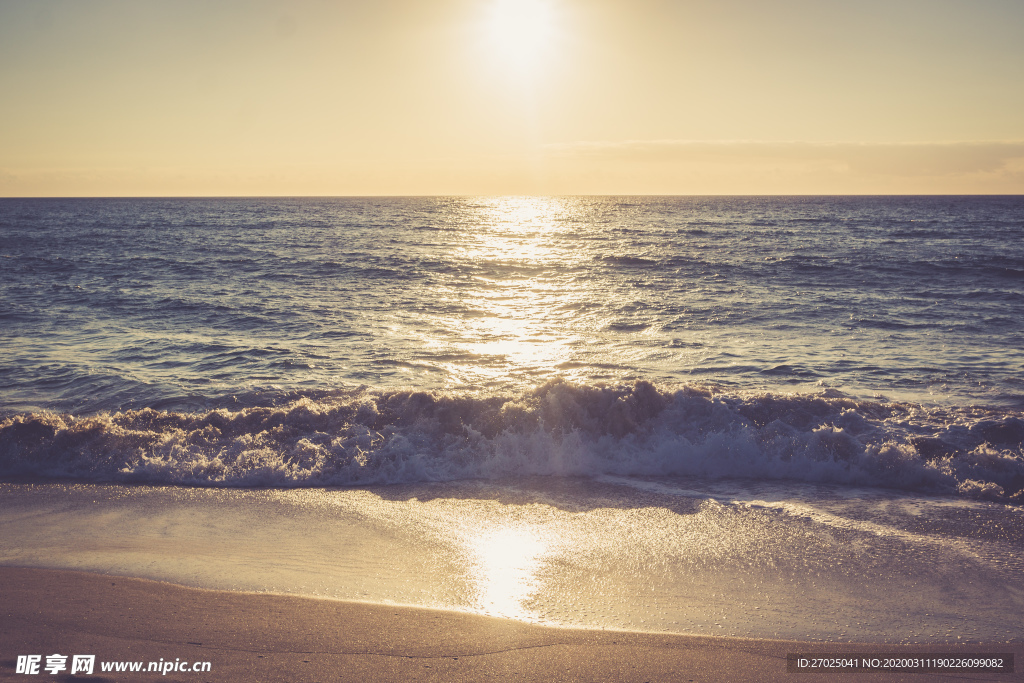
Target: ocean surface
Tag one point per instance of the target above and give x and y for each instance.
(795, 404)
(309, 342)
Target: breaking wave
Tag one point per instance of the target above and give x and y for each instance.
(366, 436)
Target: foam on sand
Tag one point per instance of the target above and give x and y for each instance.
(722, 557)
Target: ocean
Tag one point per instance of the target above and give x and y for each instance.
(756, 416)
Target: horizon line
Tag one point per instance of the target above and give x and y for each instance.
(514, 194)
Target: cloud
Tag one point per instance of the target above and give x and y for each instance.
(759, 167)
(666, 167)
(904, 159)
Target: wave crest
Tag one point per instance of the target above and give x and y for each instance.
(370, 436)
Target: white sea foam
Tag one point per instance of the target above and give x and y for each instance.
(372, 437)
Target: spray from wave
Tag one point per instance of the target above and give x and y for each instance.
(367, 436)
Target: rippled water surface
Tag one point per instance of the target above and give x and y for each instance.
(111, 303)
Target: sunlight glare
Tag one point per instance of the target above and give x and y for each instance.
(519, 329)
(507, 561)
(522, 32)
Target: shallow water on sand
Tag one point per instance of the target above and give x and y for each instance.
(726, 557)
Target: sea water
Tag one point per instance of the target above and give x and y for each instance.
(771, 417)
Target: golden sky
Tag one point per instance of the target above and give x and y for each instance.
(425, 97)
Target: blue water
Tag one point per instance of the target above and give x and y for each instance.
(844, 340)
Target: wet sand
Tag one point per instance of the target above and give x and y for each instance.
(263, 637)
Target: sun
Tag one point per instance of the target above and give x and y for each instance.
(521, 34)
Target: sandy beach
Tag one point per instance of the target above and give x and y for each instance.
(262, 637)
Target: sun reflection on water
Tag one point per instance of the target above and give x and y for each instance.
(521, 321)
(505, 565)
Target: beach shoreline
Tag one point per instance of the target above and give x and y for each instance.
(270, 637)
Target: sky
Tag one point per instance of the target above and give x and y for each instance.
(470, 97)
